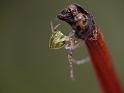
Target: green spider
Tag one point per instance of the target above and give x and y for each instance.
(58, 40)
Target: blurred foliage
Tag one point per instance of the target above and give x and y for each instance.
(27, 65)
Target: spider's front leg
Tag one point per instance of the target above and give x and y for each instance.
(54, 29)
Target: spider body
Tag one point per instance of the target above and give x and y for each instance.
(59, 40)
(55, 42)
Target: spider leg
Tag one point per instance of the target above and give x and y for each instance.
(73, 45)
(53, 29)
(70, 64)
(51, 26)
(71, 34)
(74, 61)
(70, 47)
(85, 60)
(71, 59)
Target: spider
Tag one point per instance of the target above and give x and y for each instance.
(58, 40)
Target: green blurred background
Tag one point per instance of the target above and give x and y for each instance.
(27, 65)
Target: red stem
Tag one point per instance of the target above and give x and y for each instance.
(102, 63)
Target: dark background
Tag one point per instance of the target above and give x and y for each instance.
(27, 65)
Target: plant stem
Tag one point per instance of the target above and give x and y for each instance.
(102, 63)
